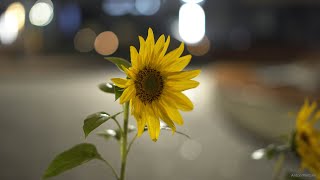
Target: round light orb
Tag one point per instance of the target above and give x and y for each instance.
(117, 7)
(41, 14)
(17, 9)
(84, 40)
(192, 1)
(147, 7)
(9, 28)
(191, 23)
(106, 43)
(201, 48)
(69, 18)
(190, 150)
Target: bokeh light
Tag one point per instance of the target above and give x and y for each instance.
(192, 1)
(201, 48)
(41, 13)
(106, 43)
(148, 7)
(84, 40)
(9, 28)
(190, 150)
(69, 18)
(191, 23)
(17, 10)
(117, 7)
(258, 154)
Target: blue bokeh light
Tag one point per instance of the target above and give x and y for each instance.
(69, 18)
(118, 7)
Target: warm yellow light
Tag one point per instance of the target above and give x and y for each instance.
(17, 10)
(8, 28)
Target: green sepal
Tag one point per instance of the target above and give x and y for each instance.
(118, 92)
(272, 151)
(119, 62)
(72, 158)
(107, 87)
(95, 120)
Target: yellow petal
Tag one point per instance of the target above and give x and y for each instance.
(315, 118)
(179, 64)
(119, 82)
(142, 45)
(136, 105)
(130, 73)
(183, 75)
(305, 112)
(129, 82)
(166, 100)
(153, 124)
(182, 85)
(180, 100)
(150, 38)
(148, 56)
(159, 44)
(127, 94)
(165, 48)
(164, 116)
(174, 115)
(173, 55)
(141, 123)
(134, 56)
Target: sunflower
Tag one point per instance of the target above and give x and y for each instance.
(307, 138)
(154, 84)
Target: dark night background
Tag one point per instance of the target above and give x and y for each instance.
(259, 60)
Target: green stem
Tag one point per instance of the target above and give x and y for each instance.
(124, 139)
(279, 166)
(119, 126)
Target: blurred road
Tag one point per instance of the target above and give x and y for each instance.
(43, 105)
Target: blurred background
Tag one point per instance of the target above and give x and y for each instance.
(259, 61)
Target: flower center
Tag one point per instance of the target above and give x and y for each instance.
(149, 85)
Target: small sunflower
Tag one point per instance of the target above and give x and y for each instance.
(154, 84)
(307, 138)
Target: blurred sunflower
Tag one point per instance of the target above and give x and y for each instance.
(155, 83)
(307, 138)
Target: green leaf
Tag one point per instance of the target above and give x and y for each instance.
(271, 151)
(119, 62)
(107, 87)
(95, 120)
(71, 158)
(118, 92)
